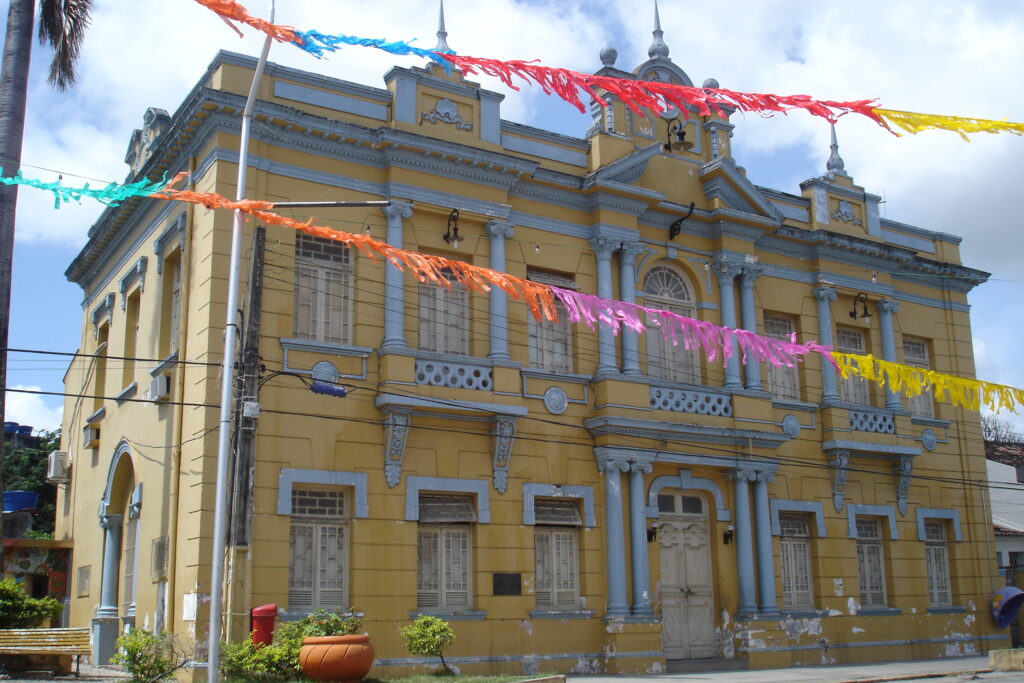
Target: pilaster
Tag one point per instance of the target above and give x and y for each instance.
(825, 296)
(394, 294)
(726, 272)
(499, 231)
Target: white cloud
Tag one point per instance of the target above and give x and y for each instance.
(31, 409)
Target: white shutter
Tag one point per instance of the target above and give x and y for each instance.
(301, 567)
(175, 313)
(543, 573)
(852, 389)
(783, 381)
(428, 589)
(330, 564)
(457, 574)
(566, 569)
(128, 567)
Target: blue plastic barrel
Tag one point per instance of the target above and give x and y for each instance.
(25, 430)
(20, 500)
(10, 427)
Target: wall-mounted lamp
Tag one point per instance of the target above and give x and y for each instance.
(728, 534)
(865, 315)
(652, 533)
(676, 129)
(451, 235)
(677, 225)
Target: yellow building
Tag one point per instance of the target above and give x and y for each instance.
(569, 499)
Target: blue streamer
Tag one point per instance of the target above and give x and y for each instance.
(111, 195)
(318, 44)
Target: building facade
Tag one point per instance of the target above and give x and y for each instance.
(515, 476)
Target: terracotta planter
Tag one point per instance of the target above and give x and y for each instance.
(336, 658)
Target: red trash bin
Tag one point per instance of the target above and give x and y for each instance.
(261, 624)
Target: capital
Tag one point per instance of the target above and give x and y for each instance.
(614, 465)
(726, 271)
(111, 521)
(499, 229)
(744, 474)
(750, 274)
(824, 293)
(398, 210)
(603, 246)
(631, 250)
(641, 467)
(887, 306)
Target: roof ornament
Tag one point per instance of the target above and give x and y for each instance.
(658, 47)
(835, 162)
(442, 34)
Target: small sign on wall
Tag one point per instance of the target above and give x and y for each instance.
(508, 584)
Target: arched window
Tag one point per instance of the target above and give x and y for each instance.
(667, 289)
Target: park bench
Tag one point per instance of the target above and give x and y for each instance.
(46, 641)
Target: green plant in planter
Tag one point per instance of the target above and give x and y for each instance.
(18, 610)
(150, 657)
(429, 636)
(279, 661)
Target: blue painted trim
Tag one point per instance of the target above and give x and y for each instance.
(585, 493)
(685, 480)
(127, 393)
(413, 486)
(329, 100)
(902, 240)
(867, 447)
(938, 513)
(123, 450)
(877, 643)
(853, 509)
(442, 405)
(561, 614)
(469, 615)
(951, 609)
(814, 507)
(160, 246)
(879, 611)
(289, 476)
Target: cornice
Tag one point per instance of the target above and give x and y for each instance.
(681, 432)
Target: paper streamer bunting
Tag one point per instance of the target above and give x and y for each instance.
(915, 123)
(110, 195)
(317, 43)
(912, 381)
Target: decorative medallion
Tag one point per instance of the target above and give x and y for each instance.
(791, 426)
(845, 213)
(929, 440)
(555, 400)
(445, 111)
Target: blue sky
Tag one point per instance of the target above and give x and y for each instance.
(945, 57)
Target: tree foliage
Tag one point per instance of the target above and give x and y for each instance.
(25, 470)
(429, 636)
(995, 429)
(150, 657)
(18, 610)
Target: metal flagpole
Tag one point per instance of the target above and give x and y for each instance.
(227, 386)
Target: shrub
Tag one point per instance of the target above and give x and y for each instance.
(279, 661)
(18, 610)
(429, 636)
(149, 657)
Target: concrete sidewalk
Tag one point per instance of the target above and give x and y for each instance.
(934, 669)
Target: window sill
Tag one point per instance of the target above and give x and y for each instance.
(97, 416)
(564, 614)
(804, 613)
(462, 615)
(569, 378)
(127, 393)
(947, 609)
(324, 347)
(164, 365)
(929, 421)
(879, 611)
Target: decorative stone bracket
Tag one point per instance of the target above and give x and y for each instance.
(839, 463)
(901, 457)
(503, 431)
(903, 467)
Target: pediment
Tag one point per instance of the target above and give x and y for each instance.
(722, 180)
(626, 170)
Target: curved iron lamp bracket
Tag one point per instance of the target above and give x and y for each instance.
(677, 225)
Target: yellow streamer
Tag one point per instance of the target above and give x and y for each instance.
(962, 392)
(914, 123)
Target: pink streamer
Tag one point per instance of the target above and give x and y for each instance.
(692, 334)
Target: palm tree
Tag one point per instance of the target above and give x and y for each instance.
(62, 24)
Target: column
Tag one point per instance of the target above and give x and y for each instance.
(886, 307)
(638, 535)
(726, 272)
(744, 548)
(763, 532)
(615, 544)
(498, 316)
(394, 296)
(825, 296)
(749, 315)
(105, 626)
(603, 247)
(627, 293)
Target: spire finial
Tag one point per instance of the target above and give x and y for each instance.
(658, 47)
(835, 162)
(442, 34)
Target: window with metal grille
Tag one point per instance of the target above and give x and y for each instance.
(556, 556)
(870, 563)
(915, 352)
(131, 533)
(556, 511)
(443, 552)
(323, 290)
(795, 560)
(158, 562)
(84, 575)
(783, 381)
(551, 342)
(666, 289)
(444, 317)
(318, 566)
(936, 556)
(678, 504)
(852, 389)
(1016, 559)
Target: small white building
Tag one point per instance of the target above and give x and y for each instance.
(1005, 463)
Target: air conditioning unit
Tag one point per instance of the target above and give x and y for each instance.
(57, 466)
(91, 437)
(159, 388)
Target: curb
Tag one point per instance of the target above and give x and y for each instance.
(917, 677)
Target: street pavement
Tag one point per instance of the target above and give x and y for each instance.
(945, 670)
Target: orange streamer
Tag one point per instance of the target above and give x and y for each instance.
(231, 11)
